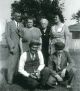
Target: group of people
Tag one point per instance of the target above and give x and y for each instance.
(39, 56)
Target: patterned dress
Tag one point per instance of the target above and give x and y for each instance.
(60, 34)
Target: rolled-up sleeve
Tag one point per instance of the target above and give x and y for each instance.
(41, 60)
(22, 61)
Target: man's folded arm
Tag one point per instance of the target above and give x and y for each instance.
(70, 61)
(51, 66)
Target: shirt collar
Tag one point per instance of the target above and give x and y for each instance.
(15, 22)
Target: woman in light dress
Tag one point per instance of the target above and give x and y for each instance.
(59, 32)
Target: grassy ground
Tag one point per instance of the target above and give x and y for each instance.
(18, 88)
(75, 83)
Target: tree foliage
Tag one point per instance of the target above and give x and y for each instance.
(76, 16)
(37, 8)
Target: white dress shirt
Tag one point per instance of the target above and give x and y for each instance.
(23, 60)
(17, 23)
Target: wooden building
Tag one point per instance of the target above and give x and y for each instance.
(75, 36)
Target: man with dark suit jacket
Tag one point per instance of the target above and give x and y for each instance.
(60, 69)
(45, 30)
(12, 38)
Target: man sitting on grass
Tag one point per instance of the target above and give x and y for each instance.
(60, 68)
(30, 66)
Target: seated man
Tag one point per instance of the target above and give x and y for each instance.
(30, 66)
(60, 68)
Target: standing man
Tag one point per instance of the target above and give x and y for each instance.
(45, 30)
(13, 44)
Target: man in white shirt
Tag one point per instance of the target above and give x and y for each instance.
(30, 65)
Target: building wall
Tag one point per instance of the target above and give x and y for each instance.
(75, 44)
(75, 41)
(76, 35)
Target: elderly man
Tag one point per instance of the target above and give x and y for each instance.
(12, 38)
(45, 30)
(61, 67)
(30, 66)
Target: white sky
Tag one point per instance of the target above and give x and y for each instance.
(5, 10)
(71, 6)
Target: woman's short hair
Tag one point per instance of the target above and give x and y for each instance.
(31, 18)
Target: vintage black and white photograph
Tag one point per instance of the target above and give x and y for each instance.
(39, 45)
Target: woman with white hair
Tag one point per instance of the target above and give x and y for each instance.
(45, 30)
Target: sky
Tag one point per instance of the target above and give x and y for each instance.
(70, 7)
